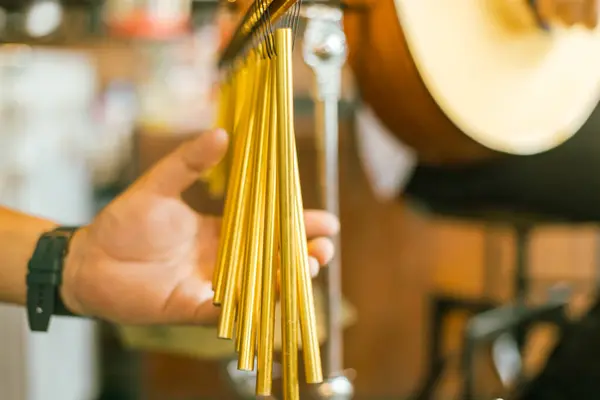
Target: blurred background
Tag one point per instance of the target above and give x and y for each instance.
(93, 92)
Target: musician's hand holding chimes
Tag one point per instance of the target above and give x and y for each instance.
(148, 258)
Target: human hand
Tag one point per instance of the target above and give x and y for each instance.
(568, 12)
(148, 258)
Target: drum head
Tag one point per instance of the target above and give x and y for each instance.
(502, 80)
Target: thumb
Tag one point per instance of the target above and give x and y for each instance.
(180, 169)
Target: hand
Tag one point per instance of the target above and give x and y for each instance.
(148, 258)
(568, 12)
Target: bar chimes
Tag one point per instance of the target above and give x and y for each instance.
(263, 255)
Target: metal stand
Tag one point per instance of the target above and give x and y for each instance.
(325, 52)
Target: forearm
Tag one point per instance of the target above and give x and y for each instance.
(18, 236)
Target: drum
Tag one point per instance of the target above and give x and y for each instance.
(465, 80)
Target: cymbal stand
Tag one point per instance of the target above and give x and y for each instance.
(325, 52)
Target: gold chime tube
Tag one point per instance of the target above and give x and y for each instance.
(264, 377)
(289, 273)
(217, 174)
(225, 115)
(308, 319)
(241, 84)
(255, 235)
(263, 243)
(244, 254)
(242, 270)
(233, 233)
(229, 108)
(241, 106)
(232, 111)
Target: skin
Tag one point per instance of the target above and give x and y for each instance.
(569, 12)
(147, 258)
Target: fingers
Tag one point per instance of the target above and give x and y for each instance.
(314, 267)
(322, 250)
(320, 223)
(568, 12)
(591, 13)
(180, 169)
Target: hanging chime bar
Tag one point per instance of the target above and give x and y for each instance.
(263, 256)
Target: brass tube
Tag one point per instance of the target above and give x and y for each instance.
(264, 384)
(242, 83)
(236, 183)
(311, 351)
(217, 176)
(227, 125)
(244, 252)
(265, 127)
(242, 269)
(232, 233)
(235, 81)
(251, 292)
(238, 324)
(237, 95)
(289, 274)
(240, 305)
(233, 110)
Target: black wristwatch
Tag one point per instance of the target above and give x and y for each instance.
(44, 278)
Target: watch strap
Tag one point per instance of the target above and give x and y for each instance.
(44, 278)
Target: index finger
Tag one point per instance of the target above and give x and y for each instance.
(320, 223)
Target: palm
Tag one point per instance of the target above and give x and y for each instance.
(148, 258)
(158, 255)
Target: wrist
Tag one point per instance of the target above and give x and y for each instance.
(72, 263)
(44, 280)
